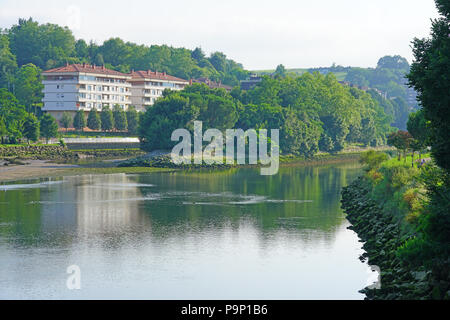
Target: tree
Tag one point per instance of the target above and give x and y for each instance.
(3, 130)
(393, 62)
(46, 45)
(132, 120)
(66, 120)
(31, 127)
(419, 130)
(12, 113)
(372, 159)
(280, 71)
(107, 119)
(8, 63)
(49, 127)
(167, 114)
(93, 121)
(28, 87)
(401, 140)
(429, 77)
(120, 118)
(79, 121)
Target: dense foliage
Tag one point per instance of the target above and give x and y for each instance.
(402, 212)
(429, 76)
(313, 112)
(48, 46)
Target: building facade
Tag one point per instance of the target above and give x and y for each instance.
(147, 86)
(251, 82)
(84, 87)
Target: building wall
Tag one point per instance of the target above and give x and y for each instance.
(85, 93)
(144, 94)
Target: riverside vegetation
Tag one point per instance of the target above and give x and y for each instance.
(403, 212)
(388, 209)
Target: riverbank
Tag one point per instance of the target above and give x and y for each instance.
(386, 207)
(34, 167)
(31, 169)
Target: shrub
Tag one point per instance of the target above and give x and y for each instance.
(373, 159)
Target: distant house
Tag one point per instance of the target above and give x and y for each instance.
(251, 82)
(210, 83)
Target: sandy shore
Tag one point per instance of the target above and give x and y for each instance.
(32, 169)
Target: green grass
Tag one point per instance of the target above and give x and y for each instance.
(404, 162)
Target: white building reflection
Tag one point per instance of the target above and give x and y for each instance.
(96, 204)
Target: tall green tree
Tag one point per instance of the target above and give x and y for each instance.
(120, 118)
(44, 45)
(429, 77)
(132, 120)
(66, 120)
(3, 130)
(28, 87)
(8, 65)
(79, 121)
(419, 130)
(107, 119)
(12, 113)
(49, 127)
(93, 121)
(31, 127)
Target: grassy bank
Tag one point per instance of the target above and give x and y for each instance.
(390, 208)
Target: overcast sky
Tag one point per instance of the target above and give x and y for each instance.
(260, 34)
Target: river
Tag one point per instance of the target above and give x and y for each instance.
(231, 234)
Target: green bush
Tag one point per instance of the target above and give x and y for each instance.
(372, 159)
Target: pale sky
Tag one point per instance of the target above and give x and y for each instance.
(260, 34)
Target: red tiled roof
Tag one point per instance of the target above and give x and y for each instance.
(136, 75)
(86, 68)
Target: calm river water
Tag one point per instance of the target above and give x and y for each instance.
(187, 235)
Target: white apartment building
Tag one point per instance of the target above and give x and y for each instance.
(147, 86)
(83, 87)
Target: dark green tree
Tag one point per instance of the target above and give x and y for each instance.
(12, 113)
(28, 87)
(419, 130)
(94, 121)
(120, 118)
(79, 121)
(429, 77)
(132, 120)
(48, 127)
(66, 120)
(107, 119)
(280, 71)
(8, 63)
(31, 127)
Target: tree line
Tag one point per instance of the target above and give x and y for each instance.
(105, 120)
(16, 123)
(48, 46)
(314, 113)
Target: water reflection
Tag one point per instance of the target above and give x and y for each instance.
(174, 229)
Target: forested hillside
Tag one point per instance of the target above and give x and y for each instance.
(48, 46)
(313, 112)
(389, 78)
